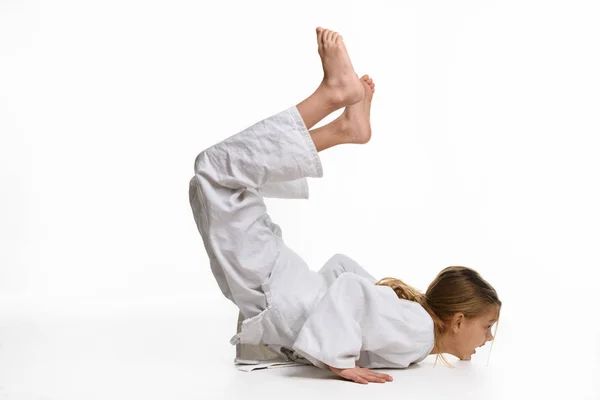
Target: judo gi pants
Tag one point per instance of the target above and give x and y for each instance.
(239, 236)
(271, 158)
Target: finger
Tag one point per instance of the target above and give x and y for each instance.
(372, 377)
(378, 377)
(385, 376)
(359, 379)
(352, 376)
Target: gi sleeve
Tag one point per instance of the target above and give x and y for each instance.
(357, 319)
(332, 334)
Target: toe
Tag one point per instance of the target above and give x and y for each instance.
(328, 35)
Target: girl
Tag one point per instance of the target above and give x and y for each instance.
(339, 318)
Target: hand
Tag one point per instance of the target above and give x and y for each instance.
(361, 375)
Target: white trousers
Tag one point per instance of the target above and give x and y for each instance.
(271, 158)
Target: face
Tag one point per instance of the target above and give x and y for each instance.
(473, 333)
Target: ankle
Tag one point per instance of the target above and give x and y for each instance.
(338, 96)
(343, 129)
(330, 135)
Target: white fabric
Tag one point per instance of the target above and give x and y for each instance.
(250, 357)
(357, 320)
(336, 316)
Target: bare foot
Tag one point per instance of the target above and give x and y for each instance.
(340, 84)
(356, 119)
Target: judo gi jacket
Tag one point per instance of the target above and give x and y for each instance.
(335, 316)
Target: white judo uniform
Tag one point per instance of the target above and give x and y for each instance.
(336, 316)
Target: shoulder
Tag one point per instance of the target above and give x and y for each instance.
(409, 312)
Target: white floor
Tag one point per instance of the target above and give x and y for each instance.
(174, 352)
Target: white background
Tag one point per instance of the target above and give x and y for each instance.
(484, 154)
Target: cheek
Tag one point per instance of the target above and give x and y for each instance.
(468, 341)
(472, 339)
(476, 337)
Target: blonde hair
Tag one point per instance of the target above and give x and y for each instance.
(455, 289)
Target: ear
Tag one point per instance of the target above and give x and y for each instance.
(458, 321)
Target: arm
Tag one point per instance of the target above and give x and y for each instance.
(356, 318)
(332, 336)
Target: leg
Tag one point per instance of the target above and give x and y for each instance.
(237, 232)
(338, 88)
(239, 237)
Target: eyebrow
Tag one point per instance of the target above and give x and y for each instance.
(493, 320)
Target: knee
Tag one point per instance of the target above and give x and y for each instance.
(206, 172)
(200, 180)
(201, 161)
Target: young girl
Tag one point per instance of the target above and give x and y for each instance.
(339, 318)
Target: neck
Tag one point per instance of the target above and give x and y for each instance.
(445, 346)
